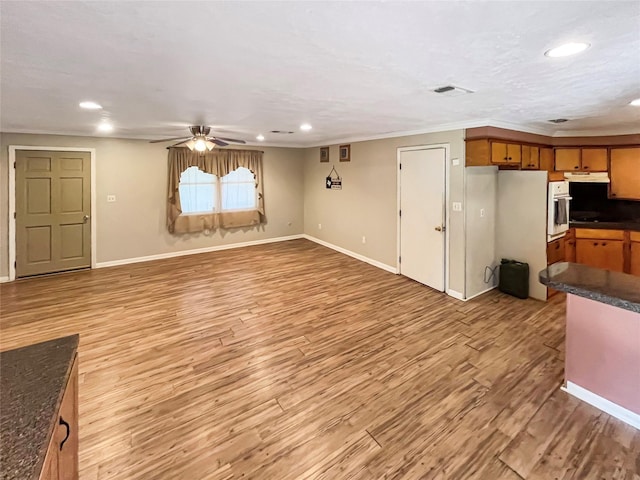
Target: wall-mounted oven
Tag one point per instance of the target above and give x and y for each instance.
(558, 210)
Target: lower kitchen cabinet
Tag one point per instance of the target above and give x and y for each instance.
(634, 261)
(61, 460)
(606, 254)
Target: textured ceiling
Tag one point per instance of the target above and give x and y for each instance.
(353, 70)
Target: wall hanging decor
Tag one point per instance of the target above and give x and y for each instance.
(324, 154)
(345, 153)
(333, 183)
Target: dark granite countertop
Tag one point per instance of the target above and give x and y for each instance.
(629, 225)
(613, 288)
(32, 382)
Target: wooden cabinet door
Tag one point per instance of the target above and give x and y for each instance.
(594, 159)
(530, 158)
(477, 153)
(499, 152)
(546, 159)
(50, 468)
(555, 251)
(570, 250)
(567, 159)
(625, 173)
(514, 153)
(606, 254)
(68, 444)
(635, 259)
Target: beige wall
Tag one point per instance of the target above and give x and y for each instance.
(136, 172)
(367, 204)
(481, 184)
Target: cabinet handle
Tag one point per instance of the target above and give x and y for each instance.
(595, 244)
(604, 244)
(613, 194)
(576, 167)
(62, 422)
(586, 167)
(509, 158)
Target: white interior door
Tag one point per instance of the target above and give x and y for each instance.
(422, 218)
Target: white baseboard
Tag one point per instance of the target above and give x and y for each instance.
(355, 255)
(181, 253)
(480, 293)
(4, 279)
(607, 406)
(457, 295)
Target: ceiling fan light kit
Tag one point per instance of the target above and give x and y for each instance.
(200, 140)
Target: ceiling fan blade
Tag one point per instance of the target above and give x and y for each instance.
(179, 143)
(219, 142)
(233, 140)
(169, 139)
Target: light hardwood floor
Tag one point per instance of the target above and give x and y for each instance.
(291, 361)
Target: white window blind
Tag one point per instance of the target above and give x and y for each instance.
(238, 190)
(197, 191)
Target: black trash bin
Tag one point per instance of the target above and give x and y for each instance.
(514, 278)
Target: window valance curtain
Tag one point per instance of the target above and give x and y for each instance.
(219, 163)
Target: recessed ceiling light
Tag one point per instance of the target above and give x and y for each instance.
(558, 120)
(105, 127)
(635, 103)
(260, 138)
(90, 105)
(305, 127)
(567, 49)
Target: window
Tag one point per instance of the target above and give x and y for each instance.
(199, 191)
(238, 190)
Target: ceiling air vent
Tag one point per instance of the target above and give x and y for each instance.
(452, 91)
(558, 120)
(282, 132)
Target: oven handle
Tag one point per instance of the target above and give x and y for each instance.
(563, 198)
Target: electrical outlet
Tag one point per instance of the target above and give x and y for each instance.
(364, 239)
(481, 212)
(457, 206)
(319, 226)
(111, 198)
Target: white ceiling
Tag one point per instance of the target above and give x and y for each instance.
(354, 70)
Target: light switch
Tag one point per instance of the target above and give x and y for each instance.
(111, 198)
(457, 206)
(455, 162)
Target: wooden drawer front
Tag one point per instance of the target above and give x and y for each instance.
(606, 254)
(555, 251)
(567, 159)
(635, 236)
(598, 233)
(594, 159)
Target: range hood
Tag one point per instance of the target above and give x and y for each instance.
(587, 177)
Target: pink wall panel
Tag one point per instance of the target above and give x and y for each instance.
(603, 351)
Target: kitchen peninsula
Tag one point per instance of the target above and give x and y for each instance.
(39, 415)
(602, 360)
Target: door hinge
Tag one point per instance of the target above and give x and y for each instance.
(15, 264)
(400, 166)
(400, 213)
(399, 259)
(14, 164)
(14, 214)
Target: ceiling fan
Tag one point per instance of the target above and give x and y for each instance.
(200, 139)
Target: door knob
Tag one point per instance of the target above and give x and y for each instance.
(85, 218)
(439, 229)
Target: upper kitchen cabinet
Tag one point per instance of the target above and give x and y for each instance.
(567, 159)
(546, 159)
(502, 153)
(530, 158)
(477, 153)
(594, 159)
(624, 172)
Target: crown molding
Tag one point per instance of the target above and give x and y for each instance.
(596, 133)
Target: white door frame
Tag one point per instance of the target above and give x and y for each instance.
(447, 155)
(12, 199)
